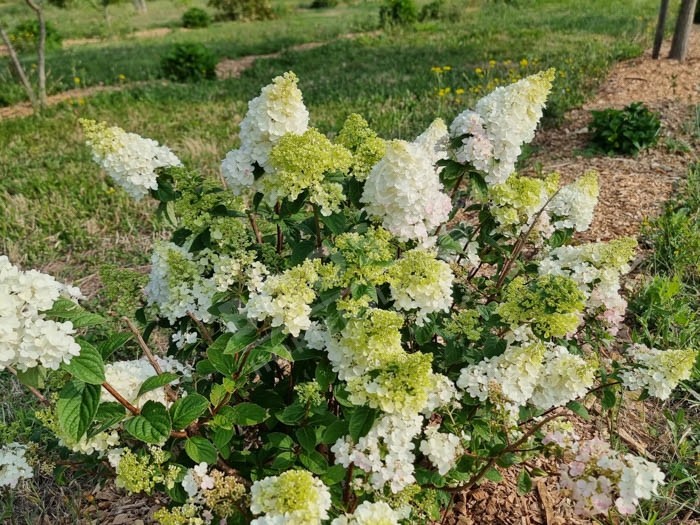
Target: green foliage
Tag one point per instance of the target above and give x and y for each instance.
(442, 10)
(243, 9)
(25, 36)
(195, 17)
(625, 131)
(323, 4)
(191, 62)
(398, 12)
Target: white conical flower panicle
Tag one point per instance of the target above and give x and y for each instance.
(494, 132)
(129, 159)
(403, 190)
(13, 465)
(27, 339)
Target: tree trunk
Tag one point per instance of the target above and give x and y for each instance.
(681, 35)
(41, 50)
(140, 6)
(660, 27)
(19, 69)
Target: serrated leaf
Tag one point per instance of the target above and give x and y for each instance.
(578, 409)
(291, 414)
(187, 409)
(200, 449)
(246, 335)
(246, 414)
(493, 475)
(334, 431)
(306, 436)
(66, 310)
(524, 482)
(335, 474)
(324, 375)
(88, 366)
(361, 422)
(157, 381)
(221, 437)
(152, 425)
(108, 414)
(76, 408)
(222, 362)
(34, 377)
(113, 343)
(314, 462)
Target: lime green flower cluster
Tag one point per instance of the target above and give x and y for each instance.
(366, 147)
(185, 515)
(142, 472)
(401, 385)
(363, 258)
(302, 163)
(552, 305)
(465, 323)
(295, 496)
(370, 341)
(310, 393)
(515, 202)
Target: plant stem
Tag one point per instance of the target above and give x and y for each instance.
(202, 329)
(317, 223)
(42, 399)
(116, 395)
(280, 238)
(254, 225)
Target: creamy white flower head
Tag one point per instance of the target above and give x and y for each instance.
(386, 452)
(278, 110)
(403, 190)
(129, 159)
(237, 169)
(574, 204)
(296, 496)
(657, 371)
(100, 443)
(127, 377)
(370, 513)
(435, 140)
(500, 124)
(13, 465)
(27, 339)
(565, 377)
(442, 449)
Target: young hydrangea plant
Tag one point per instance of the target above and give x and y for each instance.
(337, 345)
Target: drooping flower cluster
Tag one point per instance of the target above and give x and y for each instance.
(421, 282)
(127, 377)
(441, 448)
(27, 338)
(285, 298)
(596, 269)
(294, 497)
(657, 371)
(368, 513)
(366, 147)
(598, 477)
(573, 206)
(500, 124)
(277, 111)
(129, 159)
(177, 285)
(13, 465)
(386, 453)
(403, 189)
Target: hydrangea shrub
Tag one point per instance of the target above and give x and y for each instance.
(356, 327)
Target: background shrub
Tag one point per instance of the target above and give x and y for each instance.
(625, 130)
(398, 12)
(25, 36)
(195, 17)
(243, 9)
(189, 62)
(321, 4)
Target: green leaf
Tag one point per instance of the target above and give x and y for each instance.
(200, 449)
(306, 437)
(67, 310)
(157, 381)
(291, 414)
(361, 422)
(246, 335)
(315, 462)
(108, 414)
(152, 425)
(524, 482)
(334, 475)
(334, 431)
(218, 394)
(336, 223)
(113, 343)
(186, 409)
(493, 475)
(76, 407)
(324, 375)
(246, 414)
(33, 377)
(223, 363)
(578, 409)
(221, 437)
(609, 399)
(88, 366)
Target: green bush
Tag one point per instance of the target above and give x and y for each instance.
(625, 130)
(195, 17)
(189, 62)
(322, 4)
(243, 9)
(398, 12)
(25, 36)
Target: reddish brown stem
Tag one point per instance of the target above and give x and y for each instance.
(202, 329)
(42, 399)
(116, 395)
(254, 225)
